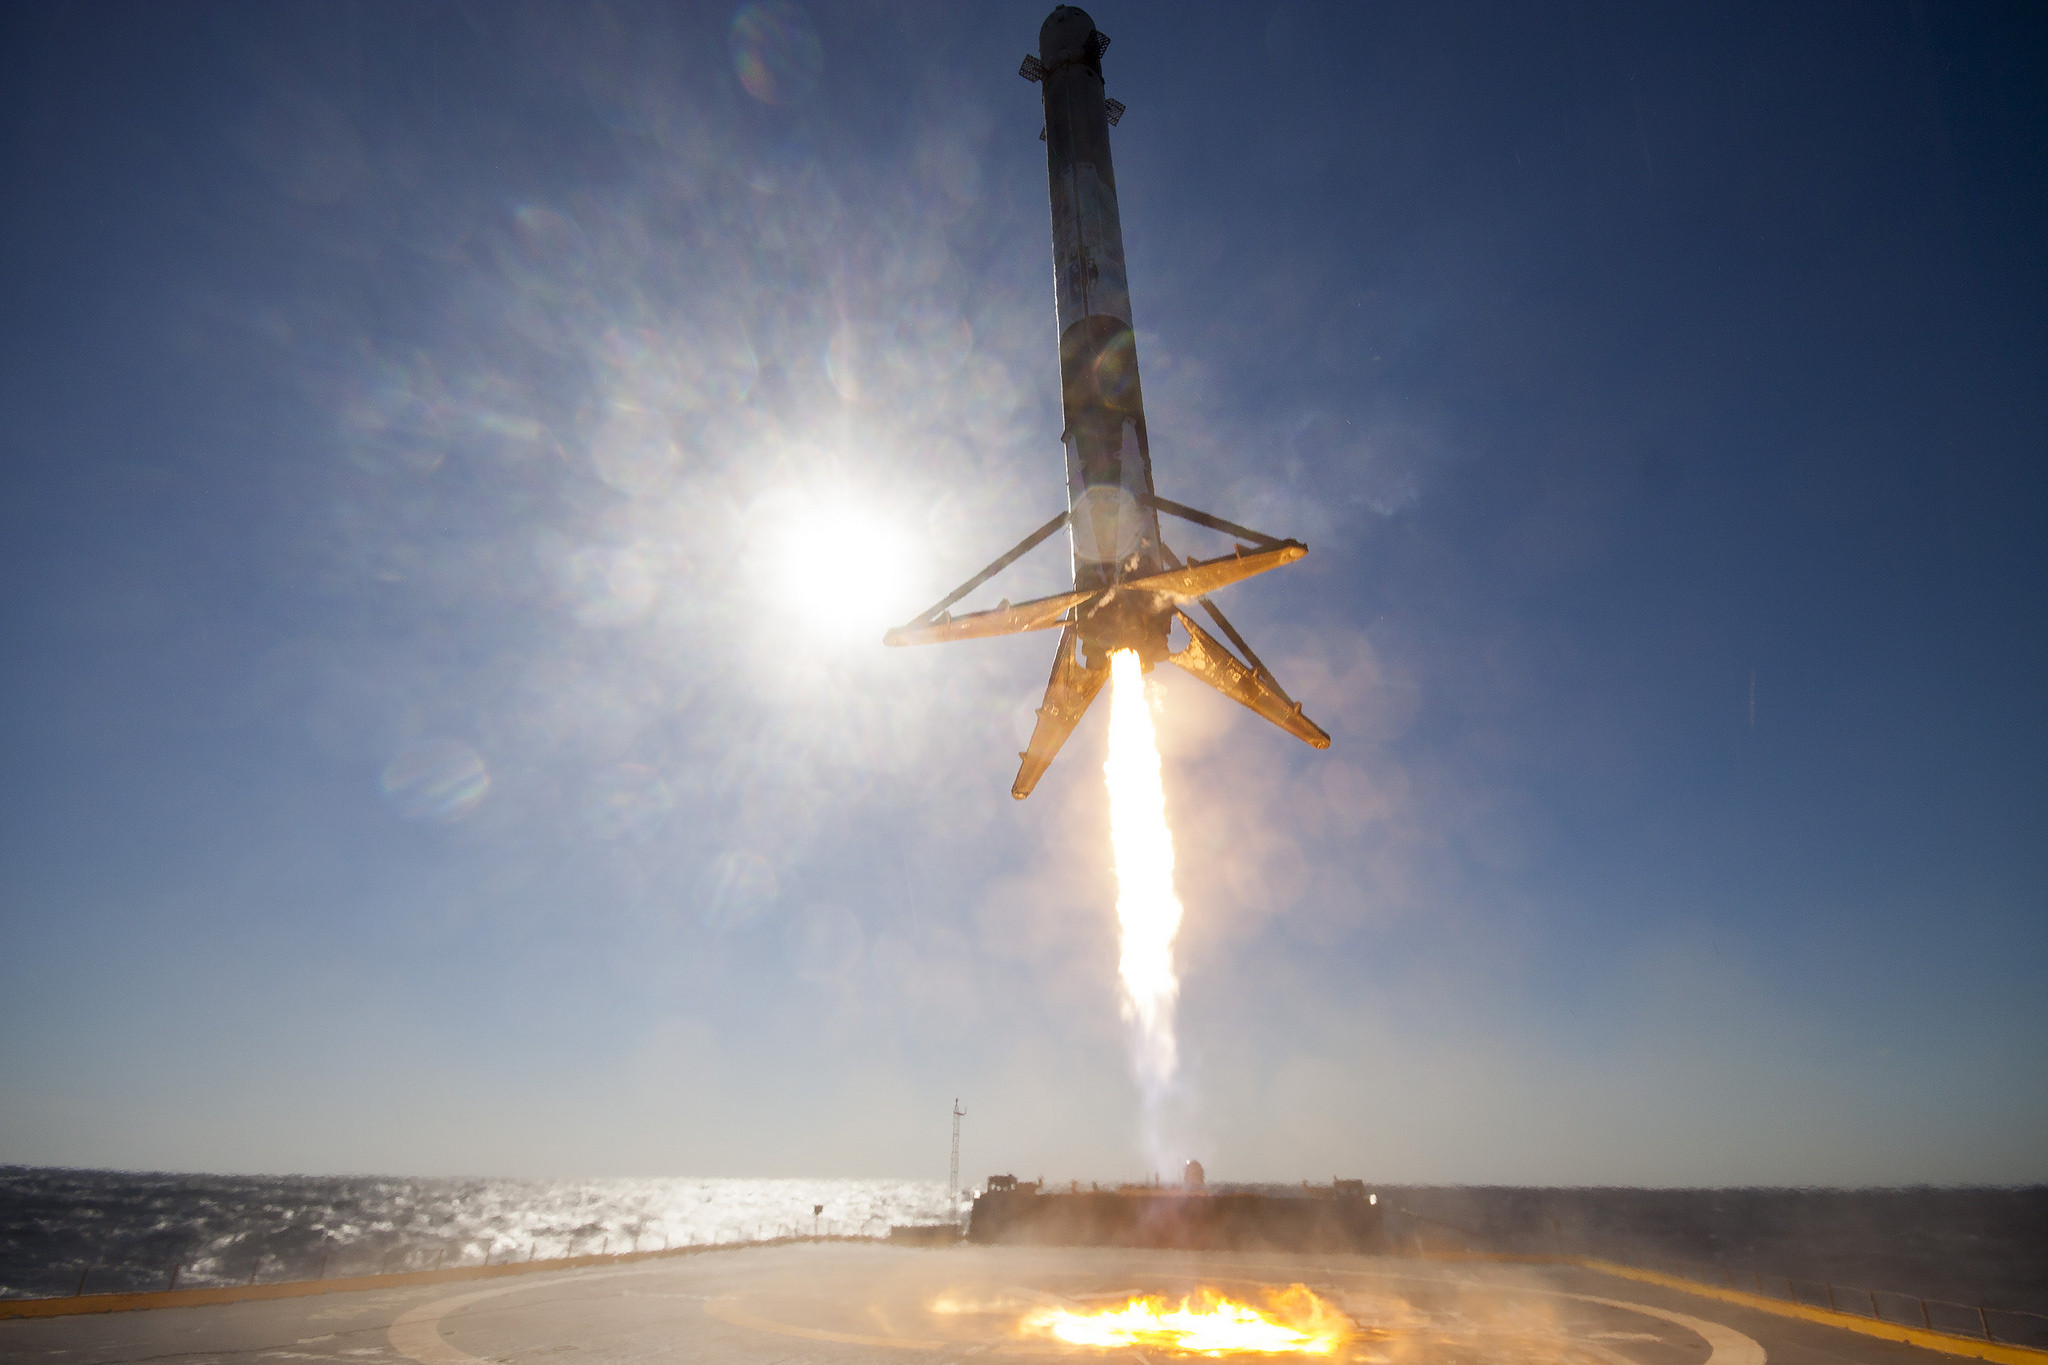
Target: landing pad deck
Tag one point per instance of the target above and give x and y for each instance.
(856, 1303)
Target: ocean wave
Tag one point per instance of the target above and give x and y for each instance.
(116, 1230)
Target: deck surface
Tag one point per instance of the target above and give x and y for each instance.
(855, 1303)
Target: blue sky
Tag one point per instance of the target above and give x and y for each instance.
(460, 459)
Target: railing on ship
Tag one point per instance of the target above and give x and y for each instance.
(2010, 1326)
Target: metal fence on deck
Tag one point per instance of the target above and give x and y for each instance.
(2011, 1326)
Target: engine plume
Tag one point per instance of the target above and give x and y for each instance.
(1147, 910)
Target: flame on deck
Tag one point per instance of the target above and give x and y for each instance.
(1147, 910)
(1204, 1323)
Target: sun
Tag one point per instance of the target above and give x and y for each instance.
(841, 567)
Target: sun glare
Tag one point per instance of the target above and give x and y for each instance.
(841, 570)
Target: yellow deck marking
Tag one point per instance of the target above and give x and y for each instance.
(728, 1310)
(1728, 1346)
(2002, 1353)
(416, 1334)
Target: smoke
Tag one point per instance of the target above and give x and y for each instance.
(1147, 910)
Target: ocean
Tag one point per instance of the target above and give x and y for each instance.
(116, 1230)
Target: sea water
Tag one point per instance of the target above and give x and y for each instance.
(123, 1230)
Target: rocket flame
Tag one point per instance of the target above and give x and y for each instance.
(1204, 1324)
(1147, 910)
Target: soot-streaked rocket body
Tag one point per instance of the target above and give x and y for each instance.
(1114, 527)
(1129, 586)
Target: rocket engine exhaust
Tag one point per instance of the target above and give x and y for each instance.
(1130, 589)
(1148, 912)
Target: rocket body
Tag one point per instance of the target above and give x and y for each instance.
(1130, 589)
(1113, 526)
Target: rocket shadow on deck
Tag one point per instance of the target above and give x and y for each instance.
(1328, 1219)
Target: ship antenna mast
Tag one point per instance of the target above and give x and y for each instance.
(953, 1170)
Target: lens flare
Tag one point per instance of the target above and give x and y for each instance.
(776, 51)
(1205, 1323)
(1147, 910)
(436, 780)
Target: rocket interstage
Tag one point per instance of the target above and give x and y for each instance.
(1130, 589)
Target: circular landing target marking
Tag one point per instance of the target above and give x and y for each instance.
(416, 1334)
(1418, 1335)
(1726, 1346)
(870, 1304)
(729, 1310)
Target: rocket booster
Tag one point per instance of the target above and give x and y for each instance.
(1112, 524)
(1130, 588)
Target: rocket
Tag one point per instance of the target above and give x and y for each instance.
(1130, 588)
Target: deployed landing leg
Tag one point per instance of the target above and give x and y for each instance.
(939, 625)
(1249, 683)
(1207, 659)
(1137, 607)
(1067, 694)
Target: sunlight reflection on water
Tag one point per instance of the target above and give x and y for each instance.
(131, 1227)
